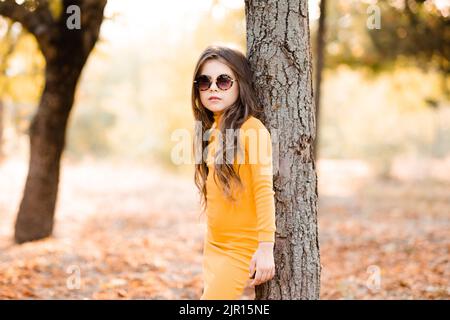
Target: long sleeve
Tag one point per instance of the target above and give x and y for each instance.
(258, 147)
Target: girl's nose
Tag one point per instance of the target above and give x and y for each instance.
(214, 86)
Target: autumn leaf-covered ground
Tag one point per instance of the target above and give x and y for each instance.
(133, 232)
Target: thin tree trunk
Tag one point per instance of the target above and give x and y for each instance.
(278, 47)
(319, 69)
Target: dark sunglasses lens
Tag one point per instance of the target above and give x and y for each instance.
(224, 82)
(203, 83)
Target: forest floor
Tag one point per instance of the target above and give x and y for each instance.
(132, 232)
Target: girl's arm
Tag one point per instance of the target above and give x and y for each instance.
(259, 151)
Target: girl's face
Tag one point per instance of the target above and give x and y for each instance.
(214, 99)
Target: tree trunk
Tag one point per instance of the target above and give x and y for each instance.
(278, 47)
(319, 68)
(66, 52)
(47, 135)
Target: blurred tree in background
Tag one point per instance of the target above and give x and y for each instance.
(65, 46)
(414, 29)
(395, 72)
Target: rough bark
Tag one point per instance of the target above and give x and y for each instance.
(278, 47)
(65, 51)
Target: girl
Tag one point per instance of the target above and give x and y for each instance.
(238, 199)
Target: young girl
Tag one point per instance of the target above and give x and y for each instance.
(238, 197)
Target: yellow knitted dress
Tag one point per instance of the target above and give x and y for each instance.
(234, 229)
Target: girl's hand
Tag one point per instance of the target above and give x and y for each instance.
(264, 264)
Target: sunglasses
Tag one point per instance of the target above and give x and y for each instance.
(223, 82)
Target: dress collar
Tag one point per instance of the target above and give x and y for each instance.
(217, 117)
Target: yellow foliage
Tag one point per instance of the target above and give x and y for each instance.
(55, 7)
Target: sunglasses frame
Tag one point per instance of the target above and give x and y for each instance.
(214, 81)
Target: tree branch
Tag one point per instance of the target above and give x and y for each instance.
(38, 22)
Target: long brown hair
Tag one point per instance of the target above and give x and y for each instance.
(231, 118)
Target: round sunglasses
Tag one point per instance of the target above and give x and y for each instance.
(223, 82)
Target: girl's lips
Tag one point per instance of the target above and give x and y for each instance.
(214, 98)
